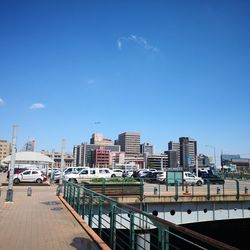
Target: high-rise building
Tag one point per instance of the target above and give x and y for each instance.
(29, 146)
(188, 152)
(175, 146)
(130, 143)
(98, 139)
(101, 158)
(172, 158)
(159, 162)
(146, 148)
(5, 149)
(203, 161)
(83, 153)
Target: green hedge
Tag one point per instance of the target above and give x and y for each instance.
(112, 180)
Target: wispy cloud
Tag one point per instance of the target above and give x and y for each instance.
(142, 42)
(2, 102)
(37, 106)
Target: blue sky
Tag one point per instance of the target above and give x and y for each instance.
(165, 69)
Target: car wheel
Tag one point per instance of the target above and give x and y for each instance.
(39, 181)
(16, 181)
(113, 175)
(199, 183)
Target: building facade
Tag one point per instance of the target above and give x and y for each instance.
(68, 158)
(29, 146)
(5, 149)
(84, 153)
(98, 139)
(130, 143)
(188, 152)
(146, 148)
(159, 162)
(175, 146)
(101, 158)
(172, 158)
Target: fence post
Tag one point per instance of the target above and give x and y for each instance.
(83, 203)
(73, 200)
(64, 190)
(237, 190)
(103, 186)
(141, 190)
(113, 227)
(165, 243)
(70, 193)
(90, 209)
(132, 230)
(166, 182)
(208, 190)
(78, 200)
(100, 216)
(176, 196)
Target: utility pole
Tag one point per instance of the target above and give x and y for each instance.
(9, 193)
(52, 166)
(59, 187)
(62, 161)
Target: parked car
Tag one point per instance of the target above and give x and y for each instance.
(50, 171)
(190, 178)
(161, 177)
(16, 171)
(127, 173)
(31, 175)
(212, 178)
(89, 173)
(56, 175)
(152, 176)
(140, 173)
(117, 172)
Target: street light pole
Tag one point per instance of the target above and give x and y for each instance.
(59, 187)
(52, 166)
(9, 193)
(62, 161)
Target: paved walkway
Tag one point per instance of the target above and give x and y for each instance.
(39, 221)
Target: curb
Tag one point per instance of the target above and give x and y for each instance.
(85, 226)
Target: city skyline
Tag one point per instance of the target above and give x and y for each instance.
(163, 69)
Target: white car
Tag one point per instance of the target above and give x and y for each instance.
(188, 178)
(89, 173)
(31, 175)
(191, 179)
(117, 172)
(161, 177)
(57, 174)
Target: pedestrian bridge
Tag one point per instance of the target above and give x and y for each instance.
(150, 220)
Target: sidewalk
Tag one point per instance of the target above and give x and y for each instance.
(39, 221)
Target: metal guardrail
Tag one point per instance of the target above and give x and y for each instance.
(125, 227)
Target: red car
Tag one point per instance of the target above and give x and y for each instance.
(16, 171)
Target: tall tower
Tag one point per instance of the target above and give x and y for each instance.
(175, 146)
(130, 143)
(188, 152)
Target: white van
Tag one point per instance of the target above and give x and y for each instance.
(89, 173)
(191, 179)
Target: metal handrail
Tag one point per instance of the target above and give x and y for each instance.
(109, 207)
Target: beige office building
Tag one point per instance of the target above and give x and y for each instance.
(130, 143)
(5, 149)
